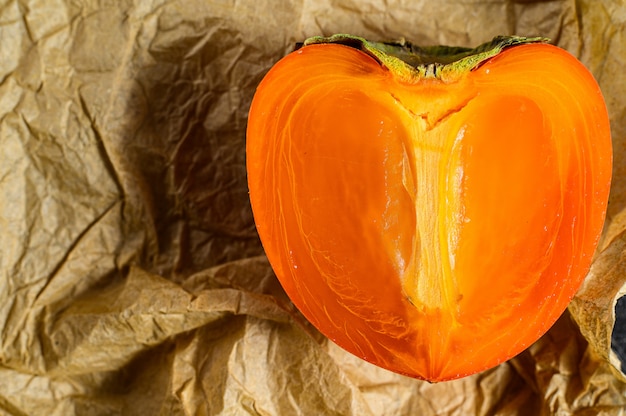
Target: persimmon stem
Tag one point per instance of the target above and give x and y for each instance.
(411, 63)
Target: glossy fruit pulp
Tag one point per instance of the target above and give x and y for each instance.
(432, 229)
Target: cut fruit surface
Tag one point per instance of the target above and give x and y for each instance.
(434, 227)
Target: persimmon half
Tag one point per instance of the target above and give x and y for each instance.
(430, 210)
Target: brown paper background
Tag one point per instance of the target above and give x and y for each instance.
(132, 281)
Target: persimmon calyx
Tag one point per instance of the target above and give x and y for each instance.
(411, 63)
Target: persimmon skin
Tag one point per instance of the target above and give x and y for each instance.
(433, 228)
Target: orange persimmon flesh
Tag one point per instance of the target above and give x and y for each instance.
(433, 228)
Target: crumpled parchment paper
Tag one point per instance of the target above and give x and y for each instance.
(132, 280)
